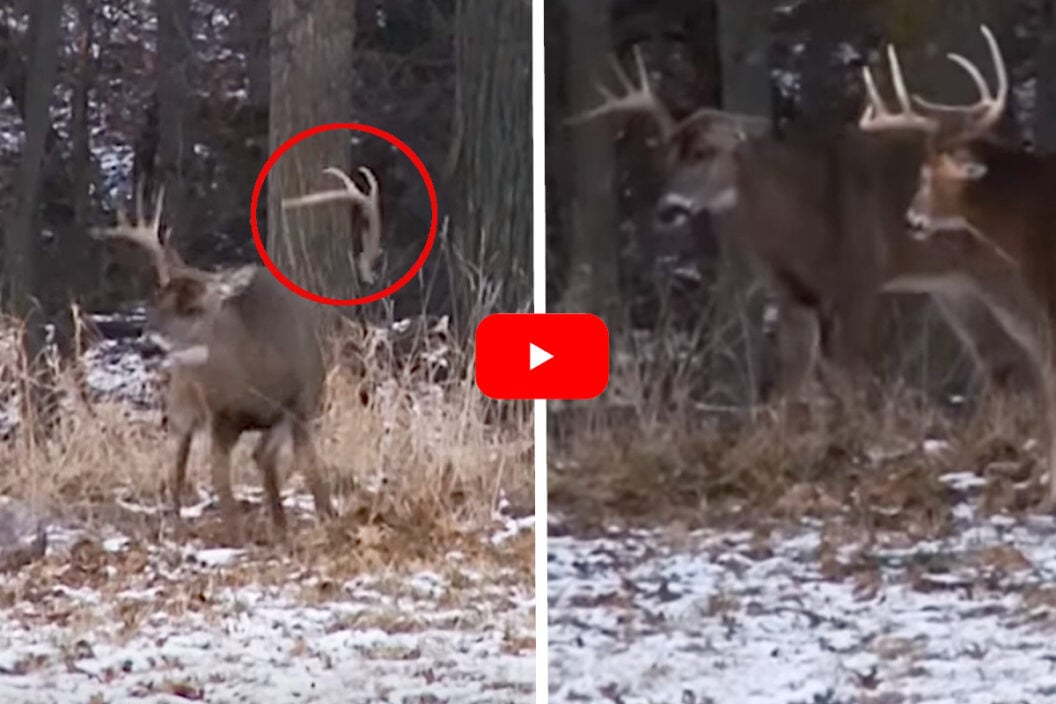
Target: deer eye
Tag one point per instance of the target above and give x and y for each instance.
(695, 152)
(184, 297)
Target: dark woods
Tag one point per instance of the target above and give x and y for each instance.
(798, 65)
(195, 94)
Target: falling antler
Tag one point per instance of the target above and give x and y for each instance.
(146, 234)
(367, 200)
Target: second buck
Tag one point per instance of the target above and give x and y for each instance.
(989, 208)
(821, 211)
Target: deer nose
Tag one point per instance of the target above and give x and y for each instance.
(673, 211)
(916, 220)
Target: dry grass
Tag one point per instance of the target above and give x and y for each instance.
(416, 459)
(878, 469)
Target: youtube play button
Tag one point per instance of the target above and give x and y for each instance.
(542, 355)
(536, 356)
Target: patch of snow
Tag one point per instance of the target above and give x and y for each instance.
(215, 557)
(636, 619)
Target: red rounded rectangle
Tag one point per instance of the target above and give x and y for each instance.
(542, 356)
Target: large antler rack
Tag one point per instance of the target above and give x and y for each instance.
(145, 233)
(952, 124)
(632, 98)
(639, 97)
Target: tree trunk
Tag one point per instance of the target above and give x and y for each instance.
(311, 59)
(591, 216)
(22, 236)
(739, 360)
(255, 30)
(175, 143)
(82, 154)
(744, 42)
(1045, 107)
(493, 156)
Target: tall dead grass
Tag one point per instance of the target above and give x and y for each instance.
(412, 448)
(654, 451)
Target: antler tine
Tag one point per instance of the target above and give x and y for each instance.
(636, 98)
(155, 225)
(139, 202)
(351, 191)
(898, 81)
(988, 109)
(876, 107)
(140, 233)
(877, 116)
(372, 181)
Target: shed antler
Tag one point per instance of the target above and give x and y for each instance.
(146, 234)
(953, 123)
(367, 200)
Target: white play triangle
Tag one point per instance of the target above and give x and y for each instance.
(536, 356)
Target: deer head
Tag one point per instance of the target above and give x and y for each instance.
(951, 165)
(187, 299)
(367, 201)
(700, 151)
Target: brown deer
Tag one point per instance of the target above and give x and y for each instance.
(243, 353)
(821, 212)
(989, 208)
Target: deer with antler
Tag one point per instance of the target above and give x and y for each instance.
(243, 354)
(821, 212)
(989, 208)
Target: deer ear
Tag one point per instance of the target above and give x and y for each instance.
(233, 283)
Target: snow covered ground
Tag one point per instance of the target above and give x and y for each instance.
(796, 617)
(103, 619)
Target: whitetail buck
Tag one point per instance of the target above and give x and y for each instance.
(821, 212)
(990, 209)
(243, 354)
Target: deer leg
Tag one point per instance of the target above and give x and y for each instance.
(224, 437)
(266, 455)
(853, 320)
(998, 359)
(179, 471)
(1016, 312)
(797, 347)
(1049, 395)
(308, 462)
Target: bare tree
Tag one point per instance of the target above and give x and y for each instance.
(1045, 108)
(312, 56)
(174, 140)
(23, 232)
(743, 36)
(491, 155)
(591, 223)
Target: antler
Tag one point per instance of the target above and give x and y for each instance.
(367, 200)
(638, 98)
(878, 117)
(956, 123)
(979, 117)
(145, 234)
